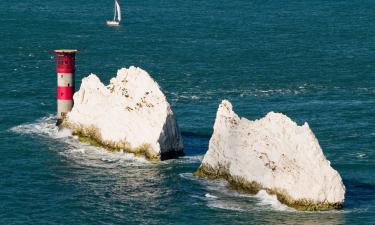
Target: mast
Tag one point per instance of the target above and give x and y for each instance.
(114, 16)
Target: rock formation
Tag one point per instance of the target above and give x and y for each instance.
(274, 154)
(130, 114)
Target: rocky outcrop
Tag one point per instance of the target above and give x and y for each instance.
(130, 114)
(274, 154)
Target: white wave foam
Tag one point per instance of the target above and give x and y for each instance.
(44, 126)
(218, 195)
(184, 160)
(240, 202)
(188, 176)
(208, 195)
(81, 153)
(271, 200)
(192, 158)
(63, 133)
(186, 96)
(361, 155)
(225, 205)
(98, 157)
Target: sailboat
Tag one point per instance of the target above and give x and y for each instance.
(117, 17)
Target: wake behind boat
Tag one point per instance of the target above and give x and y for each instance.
(117, 16)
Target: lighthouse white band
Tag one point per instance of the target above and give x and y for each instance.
(65, 79)
(63, 107)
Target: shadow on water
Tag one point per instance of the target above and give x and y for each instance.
(195, 143)
(199, 134)
(358, 194)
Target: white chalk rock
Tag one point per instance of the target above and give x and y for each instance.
(275, 154)
(131, 113)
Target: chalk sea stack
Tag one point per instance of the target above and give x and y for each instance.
(130, 114)
(272, 154)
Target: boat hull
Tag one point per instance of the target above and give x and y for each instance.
(113, 23)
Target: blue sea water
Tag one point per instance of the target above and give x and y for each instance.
(313, 60)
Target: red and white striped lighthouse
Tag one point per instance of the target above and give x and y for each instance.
(65, 67)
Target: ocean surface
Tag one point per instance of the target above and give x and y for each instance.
(313, 60)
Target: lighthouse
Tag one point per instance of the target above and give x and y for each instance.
(65, 68)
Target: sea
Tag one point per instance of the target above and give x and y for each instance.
(313, 60)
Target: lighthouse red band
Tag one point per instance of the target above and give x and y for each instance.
(65, 93)
(65, 68)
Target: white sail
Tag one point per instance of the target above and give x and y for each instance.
(118, 9)
(114, 16)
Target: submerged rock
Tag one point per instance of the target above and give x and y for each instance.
(274, 154)
(130, 114)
